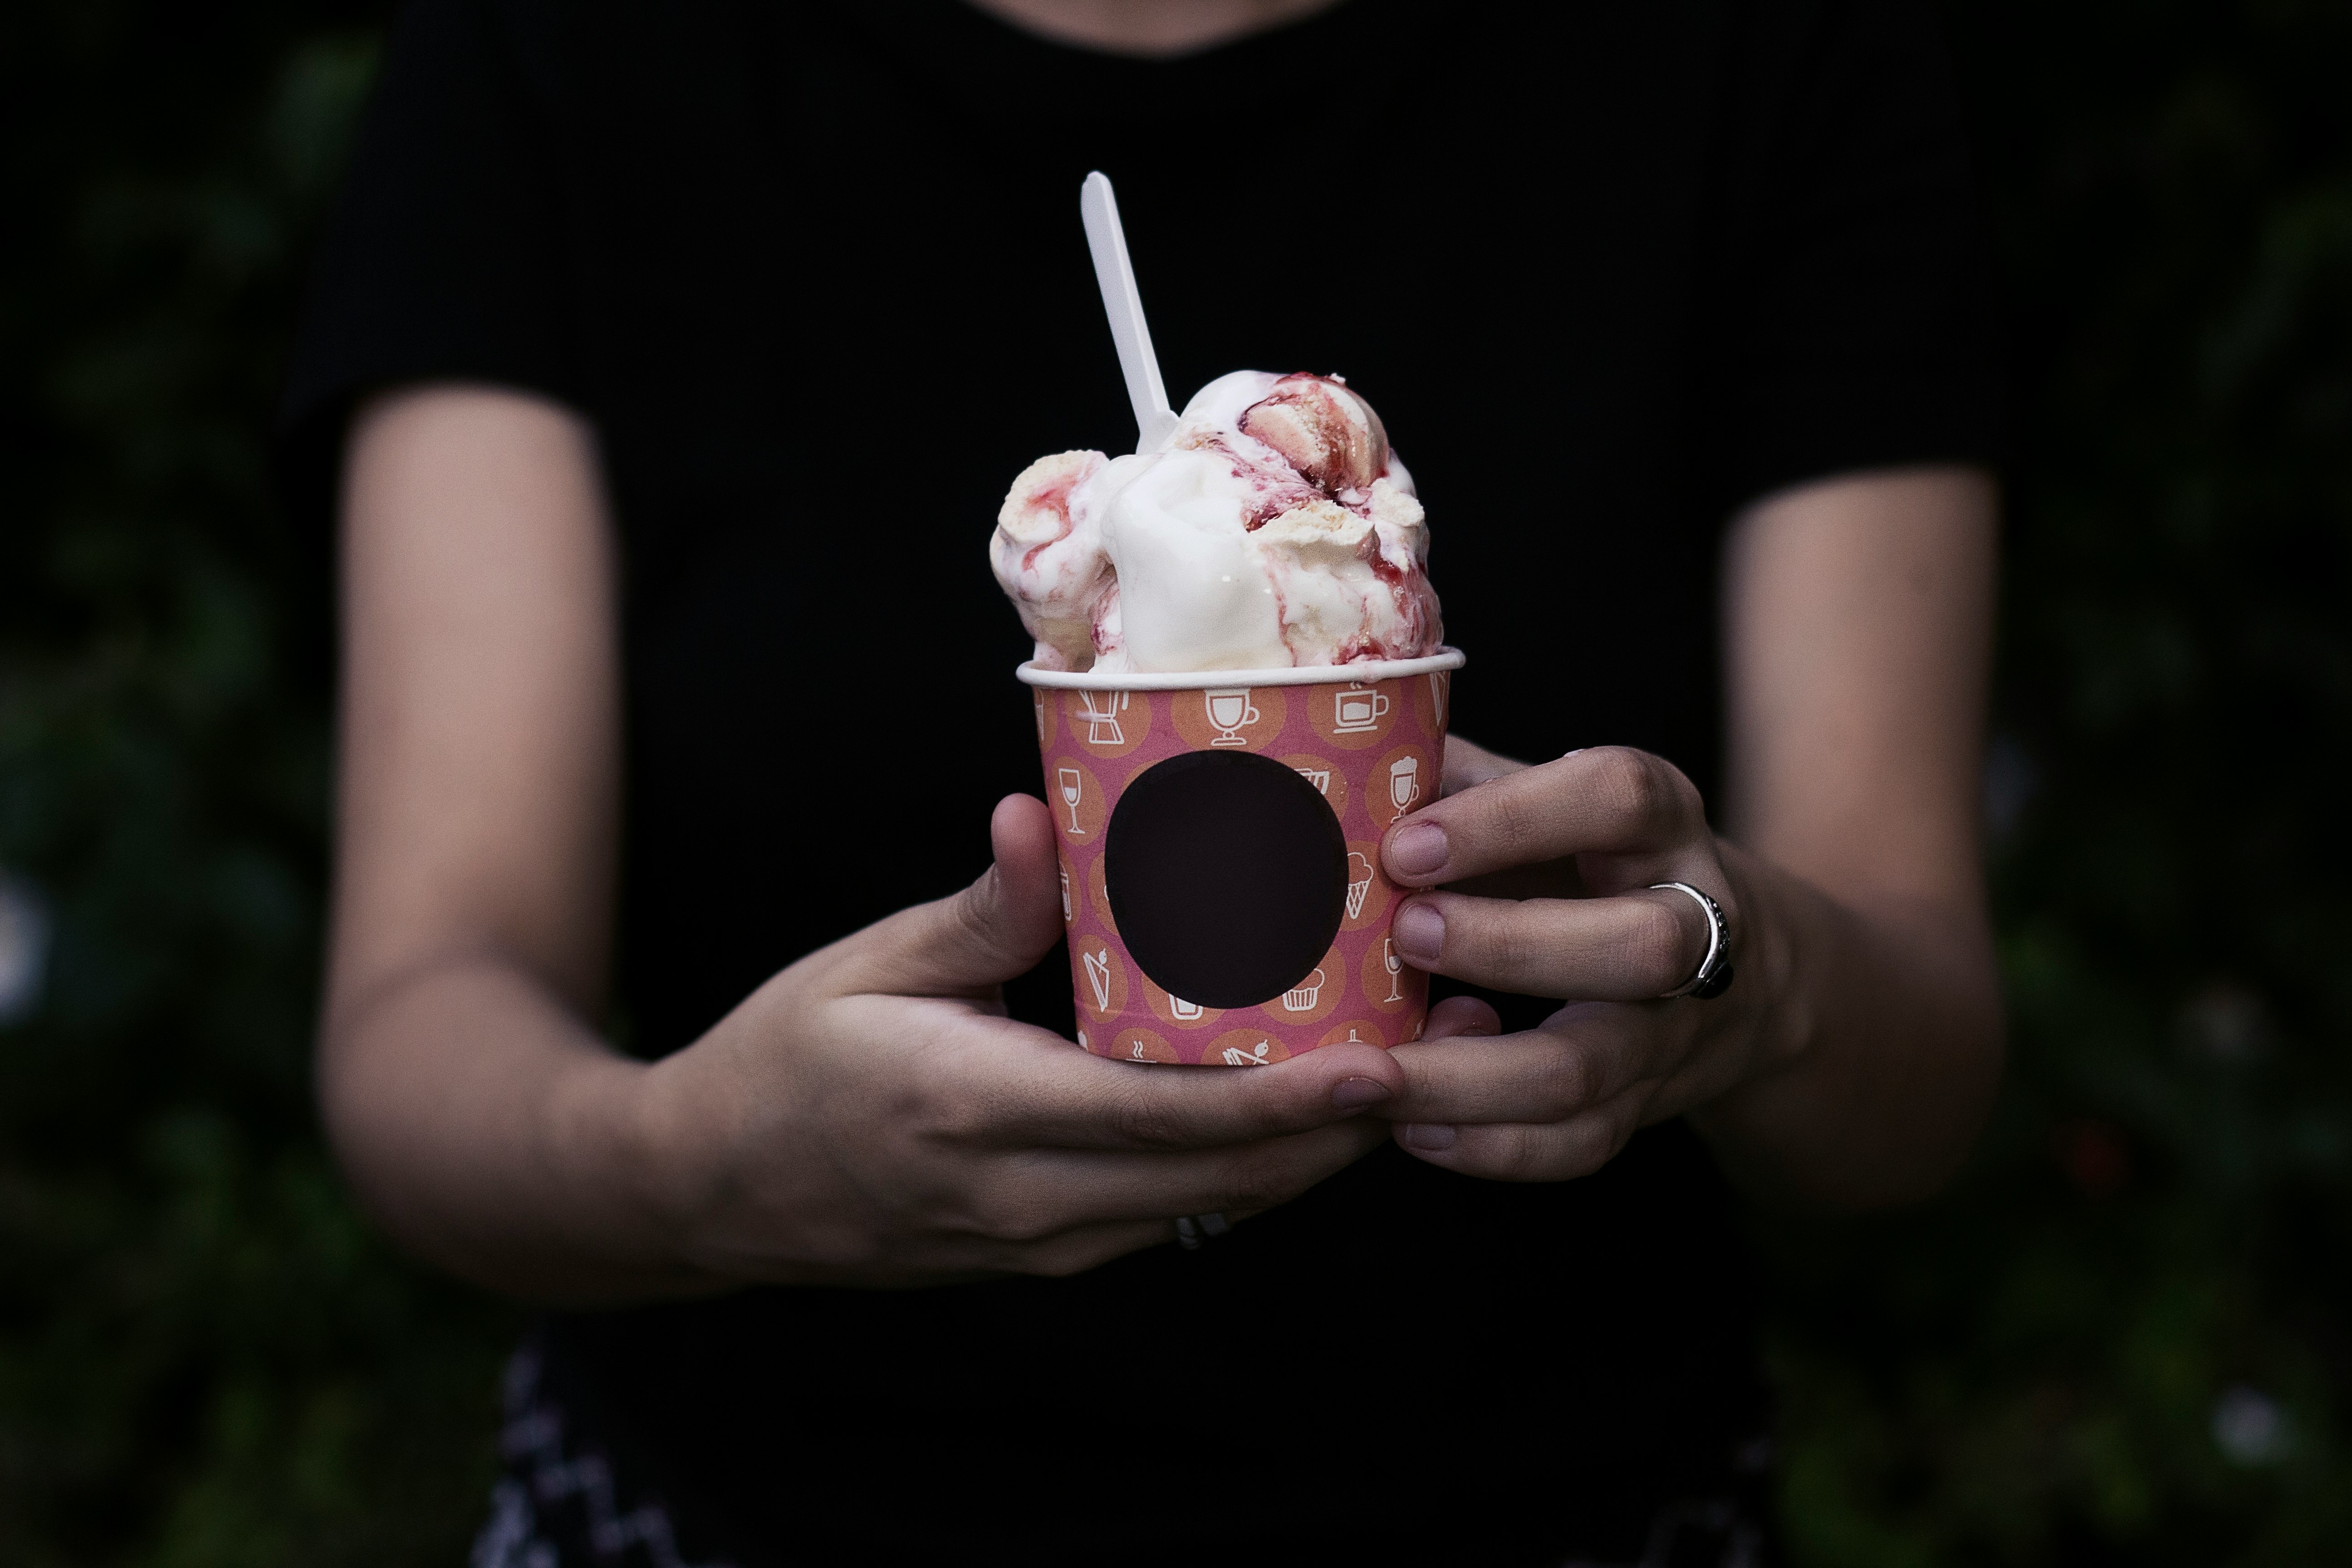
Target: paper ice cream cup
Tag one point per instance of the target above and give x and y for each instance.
(1219, 846)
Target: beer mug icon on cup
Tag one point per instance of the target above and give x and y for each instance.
(1101, 710)
(1360, 883)
(1319, 777)
(1404, 782)
(1230, 710)
(1356, 709)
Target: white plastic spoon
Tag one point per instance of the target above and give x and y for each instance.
(1154, 419)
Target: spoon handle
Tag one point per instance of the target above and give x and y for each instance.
(1154, 419)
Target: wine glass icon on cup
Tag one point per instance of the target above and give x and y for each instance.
(1232, 711)
(1395, 966)
(1073, 785)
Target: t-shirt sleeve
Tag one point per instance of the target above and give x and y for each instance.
(1853, 318)
(443, 258)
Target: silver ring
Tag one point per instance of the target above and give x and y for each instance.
(1192, 1230)
(1713, 976)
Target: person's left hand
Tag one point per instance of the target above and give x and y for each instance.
(1548, 871)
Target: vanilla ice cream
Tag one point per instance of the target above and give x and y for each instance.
(1274, 528)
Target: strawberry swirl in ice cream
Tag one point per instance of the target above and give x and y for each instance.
(1273, 529)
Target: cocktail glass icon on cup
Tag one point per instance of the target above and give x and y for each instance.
(1101, 710)
(1237, 1058)
(1073, 784)
(1232, 711)
(1357, 709)
(1404, 782)
(1097, 967)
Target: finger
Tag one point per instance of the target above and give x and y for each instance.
(1037, 1194)
(1631, 948)
(1581, 1057)
(992, 932)
(1610, 800)
(1520, 1151)
(1459, 1016)
(1008, 1086)
(1468, 762)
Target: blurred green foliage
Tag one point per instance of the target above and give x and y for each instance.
(205, 1358)
(2126, 1337)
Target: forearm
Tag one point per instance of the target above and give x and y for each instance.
(495, 1136)
(1878, 1029)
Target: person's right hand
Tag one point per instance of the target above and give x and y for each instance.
(870, 1115)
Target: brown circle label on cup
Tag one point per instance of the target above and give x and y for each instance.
(1176, 1010)
(1351, 717)
(1403, 782)
(1228, 717)
(1316, 995)
(1330, 781)
(1099, 895)
(1106, 723)
(1244, 1049)
(1075, 798)
(1368, 887)
(1432, 697)
(1390, 985)
(1101, 974)
(1042, 701)
(1359, 1033)
(1069, 889)
(1140, 1045)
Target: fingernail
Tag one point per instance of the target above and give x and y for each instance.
(1429, 1135)
(1417, 849)
(1419, 933)
(1355, 1093)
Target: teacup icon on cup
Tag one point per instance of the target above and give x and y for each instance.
(1355, 710)
(1230, 712)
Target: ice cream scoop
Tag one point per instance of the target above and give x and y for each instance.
(1271, 527)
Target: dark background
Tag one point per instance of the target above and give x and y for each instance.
(2124, 1337)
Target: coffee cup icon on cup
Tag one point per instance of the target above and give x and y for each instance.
(1404, 782)
(1232, 711)
(1357, 709)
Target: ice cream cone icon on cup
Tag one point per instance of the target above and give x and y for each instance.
(1360, 883)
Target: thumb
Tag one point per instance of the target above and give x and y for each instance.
(992, 932)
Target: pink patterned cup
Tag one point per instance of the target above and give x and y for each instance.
(1219, 846)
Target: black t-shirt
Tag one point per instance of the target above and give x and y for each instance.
(815, 272)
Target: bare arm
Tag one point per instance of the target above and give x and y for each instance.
(479, 781)
(1853, 1060)
(866, 1115)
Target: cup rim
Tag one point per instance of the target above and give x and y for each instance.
(1363, 674)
